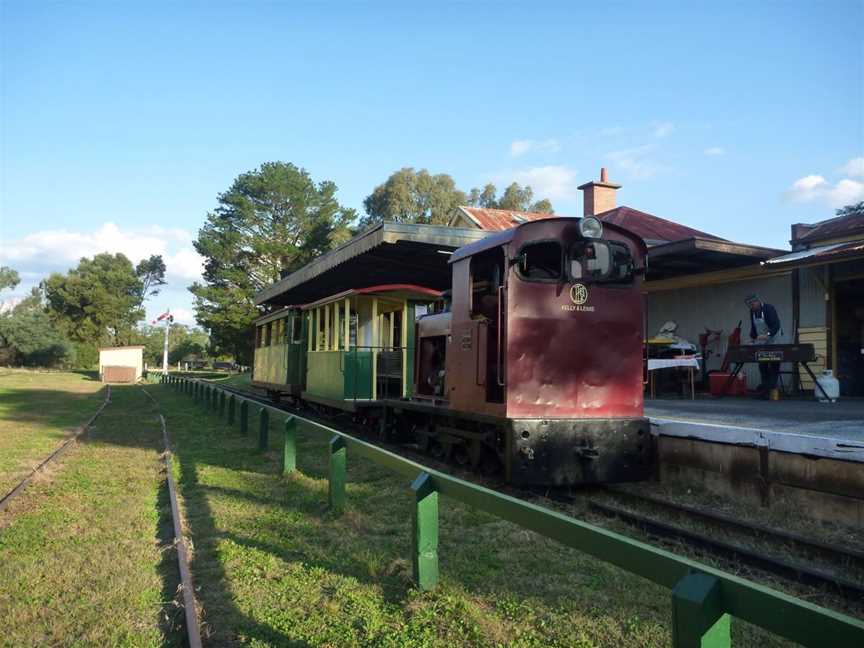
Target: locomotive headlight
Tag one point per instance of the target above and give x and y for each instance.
(591, 227)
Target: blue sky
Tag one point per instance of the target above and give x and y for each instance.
(121, 123)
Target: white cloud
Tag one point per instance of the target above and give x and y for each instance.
(854, 168)
(521, 147)
(845, 193)
(47, 251)
(816, 188)
(715, 150)
(554, 182)
(662, 129)
(807, 188)
(636, 161)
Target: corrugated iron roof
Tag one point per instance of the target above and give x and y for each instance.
(820, 254)
(653, 229)
(497, 220)
(387, 253)
(833, 227)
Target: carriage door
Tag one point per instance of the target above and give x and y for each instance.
(487, 311)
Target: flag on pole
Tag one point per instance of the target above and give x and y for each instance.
(166, 314)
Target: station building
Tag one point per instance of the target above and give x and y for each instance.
(697, 279)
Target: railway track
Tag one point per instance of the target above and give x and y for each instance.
(735, 554)
(9, 497)
(190, 609)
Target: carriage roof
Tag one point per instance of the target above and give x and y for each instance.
(389, 253)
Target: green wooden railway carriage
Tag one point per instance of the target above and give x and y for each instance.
(280, 352)
(300, 345)
(361, 344)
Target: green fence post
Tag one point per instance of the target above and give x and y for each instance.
(263, 429)
(424, 538)
(207, 392)
(244, 417)
(698, 620)
(337, 473)
(289, 453)
(221, 403)
(194, 391)
(231, 405)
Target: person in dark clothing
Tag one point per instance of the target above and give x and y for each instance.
(765, 328)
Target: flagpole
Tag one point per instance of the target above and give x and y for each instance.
(165, 348)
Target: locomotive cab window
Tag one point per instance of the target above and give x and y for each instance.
(601, 261)
(487, 276)
(541, 261)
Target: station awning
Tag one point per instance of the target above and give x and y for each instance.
(390, 253)
(819, 255)
(696, 255)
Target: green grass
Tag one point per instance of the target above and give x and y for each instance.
(37, 411)
(82, 551)
(275, 568)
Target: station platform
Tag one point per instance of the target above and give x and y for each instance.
(834, 430)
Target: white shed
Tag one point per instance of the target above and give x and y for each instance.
(121, 364)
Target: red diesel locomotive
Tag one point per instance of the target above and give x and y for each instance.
(531, 365)
(536, 364)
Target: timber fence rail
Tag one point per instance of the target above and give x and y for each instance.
(703, 598)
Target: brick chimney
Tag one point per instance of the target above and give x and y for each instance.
(800, 230)
(599, 196)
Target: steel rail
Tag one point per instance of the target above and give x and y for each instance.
(851, 555)
(190, 610)
(59, 452)
(782, 614)
(800, 573)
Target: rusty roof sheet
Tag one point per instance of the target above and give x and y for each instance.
(498, 220)
(834, 227)
(820, 254)
(653, 229)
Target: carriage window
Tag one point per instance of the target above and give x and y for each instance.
(297, 329)
(541, 261)
(268, 332)
(601, 261)
(258, 336)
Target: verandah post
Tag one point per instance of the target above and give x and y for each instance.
(263, 429)
(289, 452)
(424, 536)
(698, 619)
(337, 473)
(244, 417)
(231, 404)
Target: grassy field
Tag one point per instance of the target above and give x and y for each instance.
(275, 568)
(37, 411)
(83, 558)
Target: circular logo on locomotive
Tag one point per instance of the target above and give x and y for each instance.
(578, 294)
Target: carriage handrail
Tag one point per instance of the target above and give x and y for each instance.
(777, 612)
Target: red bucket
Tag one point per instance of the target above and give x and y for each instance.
(717, 379)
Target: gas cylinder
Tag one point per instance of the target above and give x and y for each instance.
(830, 385)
